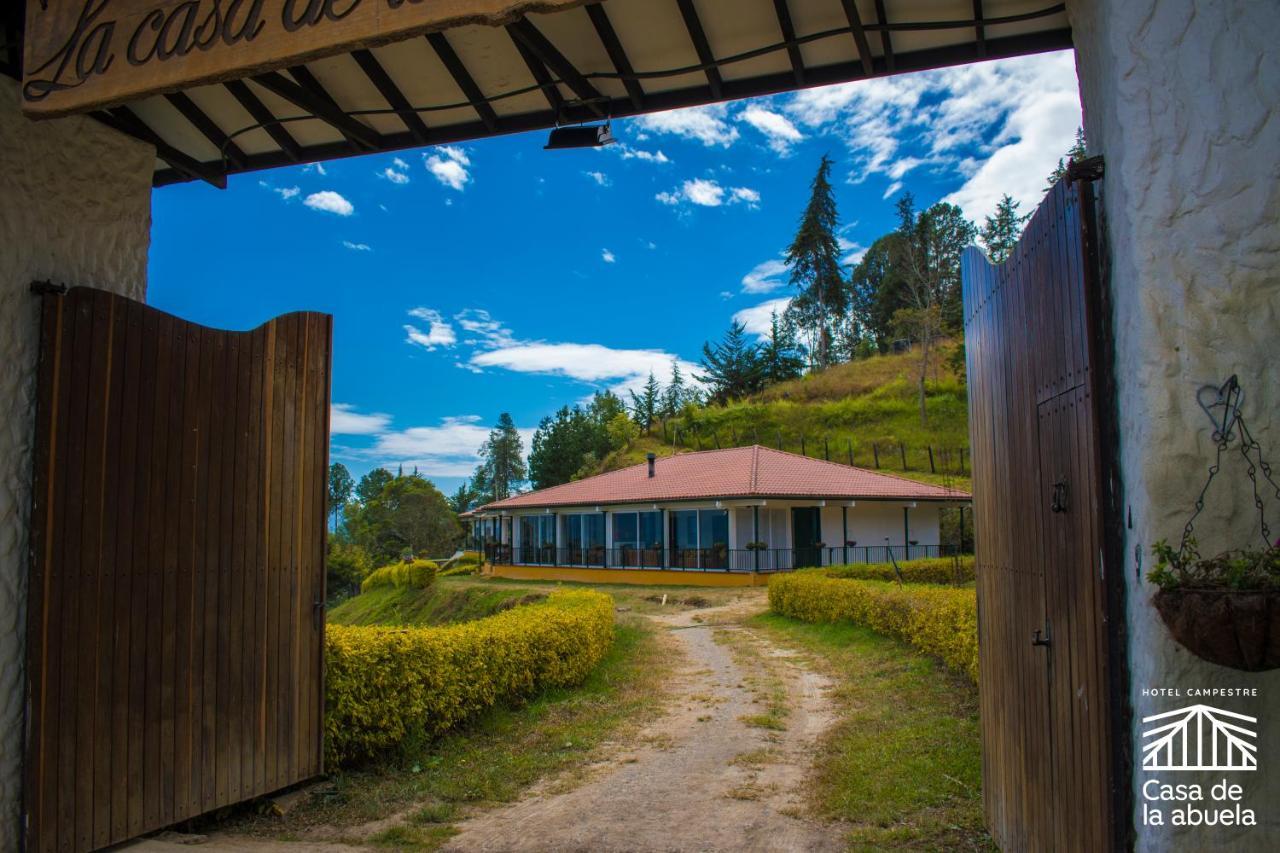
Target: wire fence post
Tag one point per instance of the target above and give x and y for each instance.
(875, 454)
(902, 449)
(932, 469)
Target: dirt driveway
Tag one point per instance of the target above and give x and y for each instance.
(723, 769)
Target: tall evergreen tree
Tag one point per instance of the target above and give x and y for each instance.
(876, 291)
(340, 487)
(780, 356)
(464, 498)
(675, 395)
(732, 368)
(1001, 231)
(819, 308)
(502, 458)
(1076, 153)
(645, 405)
(371, 484)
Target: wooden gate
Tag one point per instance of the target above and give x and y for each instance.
(175, 623)
(1049, 693)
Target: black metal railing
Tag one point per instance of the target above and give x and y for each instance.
(716, 559)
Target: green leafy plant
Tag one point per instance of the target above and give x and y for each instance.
(1241, 570)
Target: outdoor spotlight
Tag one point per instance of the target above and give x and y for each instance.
(580, 136)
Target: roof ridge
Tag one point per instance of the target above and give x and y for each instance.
(755, 468)
(872, 471)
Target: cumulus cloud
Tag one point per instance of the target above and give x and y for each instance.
(708, 125)
(329, 202)
(450, 166)
(608, 257)
(287, 193)
(600, 178)
(439, 332)
(485, 330)
(765, 277)
(757, 318)
(394, 176)
(345, 420)
(706, 192)
(357, 247)
(853, 252)
(777, 128)
(629, 153)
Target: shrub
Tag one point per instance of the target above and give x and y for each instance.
(468, 563)
(940, 570)
(419, 574)
(938, 620)
(388, 689)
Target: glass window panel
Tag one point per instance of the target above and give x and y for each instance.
(714, 528)
(624, 530)
(593, 530)
(684, 528)
(650, 530)
(573, 531)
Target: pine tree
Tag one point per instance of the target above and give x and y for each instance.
(502, 458)
(1075, 154)
(780, 355)
(372, 484)
(644, 406)
(1001, 232)
(732, 367)
(673, 398)
(813, 257)
(340, 488)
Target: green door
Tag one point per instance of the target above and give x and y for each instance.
(807, 527)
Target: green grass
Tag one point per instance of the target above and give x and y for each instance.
(493, 759)
(447, 601)
(872, 401)
(902, 767)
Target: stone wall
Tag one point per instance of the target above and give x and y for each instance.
(75, 208)
(1183, 100)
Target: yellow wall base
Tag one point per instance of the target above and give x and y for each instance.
(646, 577)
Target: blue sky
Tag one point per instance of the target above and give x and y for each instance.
(494, 276)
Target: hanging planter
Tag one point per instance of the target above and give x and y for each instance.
(1226, 608)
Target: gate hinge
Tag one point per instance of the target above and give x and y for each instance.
(42, 288)
(1089, 169)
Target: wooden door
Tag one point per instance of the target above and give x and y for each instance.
(1047, 691)
(807, 526)
(175, 622)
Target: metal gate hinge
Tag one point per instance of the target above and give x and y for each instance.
(42, 288)
(1089, 169)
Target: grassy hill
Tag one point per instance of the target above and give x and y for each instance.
(867, 410)
(445, 602)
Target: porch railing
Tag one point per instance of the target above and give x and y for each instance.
(707, 559)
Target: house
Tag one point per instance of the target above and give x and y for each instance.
(745, 510)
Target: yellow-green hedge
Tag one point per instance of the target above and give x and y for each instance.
(939, 570)
(388, 686)
(420, 574)
(938, 620)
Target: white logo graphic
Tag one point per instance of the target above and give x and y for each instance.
(1198, 738)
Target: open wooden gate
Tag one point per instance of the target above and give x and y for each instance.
(175, 623)
(1047, 685)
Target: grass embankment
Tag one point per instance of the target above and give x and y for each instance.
(444, 603)
(863, 403)
(902, 766)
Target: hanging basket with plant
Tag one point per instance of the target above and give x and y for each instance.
(1225, 608)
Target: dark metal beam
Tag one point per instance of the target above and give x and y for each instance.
(613, 46)
(769, 84)
(320, 107)
(700, 45)
(540, 76)
(979, 29)
(391, 93)
(208, 128)
(789, 35)
(308, 81)
(540, 46)
(263, 116)
(886, 42)
(859, 36)
(126, 121)
(465, 82)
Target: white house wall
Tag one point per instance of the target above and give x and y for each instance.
(75, 208)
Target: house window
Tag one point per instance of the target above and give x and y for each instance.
(537, 539)
(700, 538)
(584, 538)
(637, 539)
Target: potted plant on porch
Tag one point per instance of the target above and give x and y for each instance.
(1224, 608)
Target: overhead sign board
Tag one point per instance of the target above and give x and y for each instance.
(85, 54)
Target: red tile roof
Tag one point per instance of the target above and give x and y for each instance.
(739, 472)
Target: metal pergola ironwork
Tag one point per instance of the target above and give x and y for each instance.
(615, 58)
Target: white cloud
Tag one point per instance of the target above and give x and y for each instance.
(318, 168)
(708, 193)
(891, 189)
(345, 420)
(608, 257)
(489, 333)
(393, 176)
(1002, 125)
(450, 449)
(287, 193)
(451, 169)
(629, 153)
(777, 128)
(357, 247)
(621, 369)
(764, 277)
(439, 332)
(400, 164)
(600, 178)
(756, 319)
(329, 202)
(707, 125)
(853, 252)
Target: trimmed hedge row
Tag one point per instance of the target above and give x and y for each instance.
(933, 570)
(938, 620)
(419, 573)
(389, 687)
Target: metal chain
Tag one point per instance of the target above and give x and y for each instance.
(1199, 504)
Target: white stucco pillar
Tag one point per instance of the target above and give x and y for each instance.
(75, 208)
(1183, 101)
